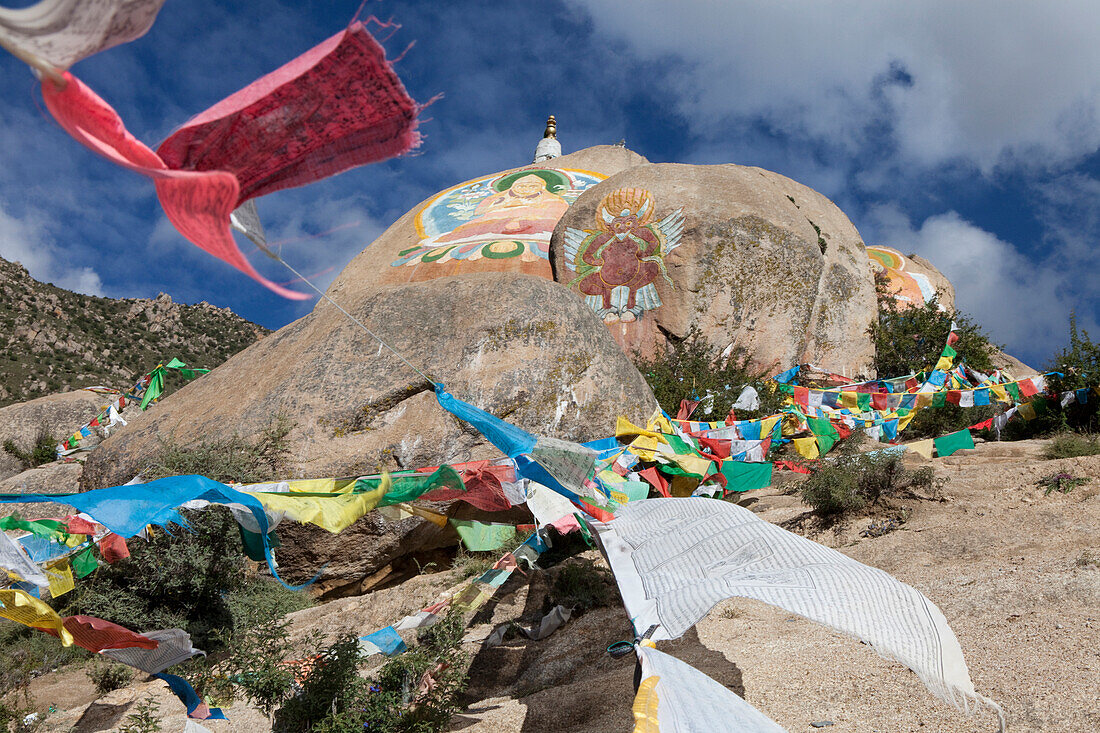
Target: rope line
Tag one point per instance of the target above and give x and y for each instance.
(350, 317)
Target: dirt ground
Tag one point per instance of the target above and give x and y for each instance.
(1016, 572)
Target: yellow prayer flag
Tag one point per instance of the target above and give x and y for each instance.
(924, 399)
(999, 393)
(625, 429)
(943, 364)
(849, 399)
(903, 422)
(768, 424)
(922, 448)
(682, 486)
(659, 423)
(333, 513)
(645, 706)
(1027, 411)
(807, 447)
(23, 608)
(60, 575)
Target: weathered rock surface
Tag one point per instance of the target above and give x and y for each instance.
(57, 415)
(519, 346)
(763, 263)
(49, 478)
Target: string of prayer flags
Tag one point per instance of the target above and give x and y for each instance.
(948, 444)
(674, 559)
(58, 33)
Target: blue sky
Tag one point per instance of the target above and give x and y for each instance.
(965, 132)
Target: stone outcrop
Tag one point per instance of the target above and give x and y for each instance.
(753, 260)
(55, 415)
(519, 346)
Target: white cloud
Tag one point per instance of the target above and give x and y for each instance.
(25, 240)
(1018, 303)
(988, 80)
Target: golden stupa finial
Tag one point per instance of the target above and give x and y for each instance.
(551, 128)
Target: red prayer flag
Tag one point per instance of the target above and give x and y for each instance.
(879, 401)
(95, 634)
(686, 408)
(483, 488)
(718, 446)
(1027, 388)
(113, 548)
(953, 396)
(337, 106)
(656, 480)
(78, 525)
(801, 395)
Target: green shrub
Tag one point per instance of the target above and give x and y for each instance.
(108, 676)
(236, 458)
(1072, 445)
(690, 368)
(44, 450)
(850, 483)
(581, 586)
(144, 719)
(258, 665)
(1061, 482)
(1079, 362)
(909, 339)
(335, 699)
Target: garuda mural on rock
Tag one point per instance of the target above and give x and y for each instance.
(618, 262)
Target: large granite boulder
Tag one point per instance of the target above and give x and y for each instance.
(520, 346)
(57, 415)
(500, 222)
(752, 259)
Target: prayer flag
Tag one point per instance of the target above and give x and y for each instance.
(744, 476)
(948, 444)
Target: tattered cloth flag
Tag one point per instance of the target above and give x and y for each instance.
(674, 697)
(62, 32)
(337, 106)
(96, 634)
(674, 559)
(173, 647)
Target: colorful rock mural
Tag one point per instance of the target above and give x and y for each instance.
(908, 287)
(617, 263)
(499, 222)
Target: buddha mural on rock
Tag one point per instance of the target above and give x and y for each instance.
(499, 222)
(618, 262)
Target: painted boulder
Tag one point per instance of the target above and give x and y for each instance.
(753, 260)
(499, 222)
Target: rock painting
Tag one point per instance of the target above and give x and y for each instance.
(618, 263)
(481, 224)
(908, 288)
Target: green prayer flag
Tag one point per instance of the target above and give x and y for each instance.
(939, 399)
(863, 401)
(47, 529)
(1013, 391)
(84, 563)
(156, 386)
(948, 444)
(746, 476)
(634, 490)
(411, 486)
(949, 352)
(825, 433)
(253, 544)
(483, 536)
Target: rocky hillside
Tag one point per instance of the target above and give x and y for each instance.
(54, 340)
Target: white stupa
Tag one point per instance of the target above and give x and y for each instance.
(548, 147)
